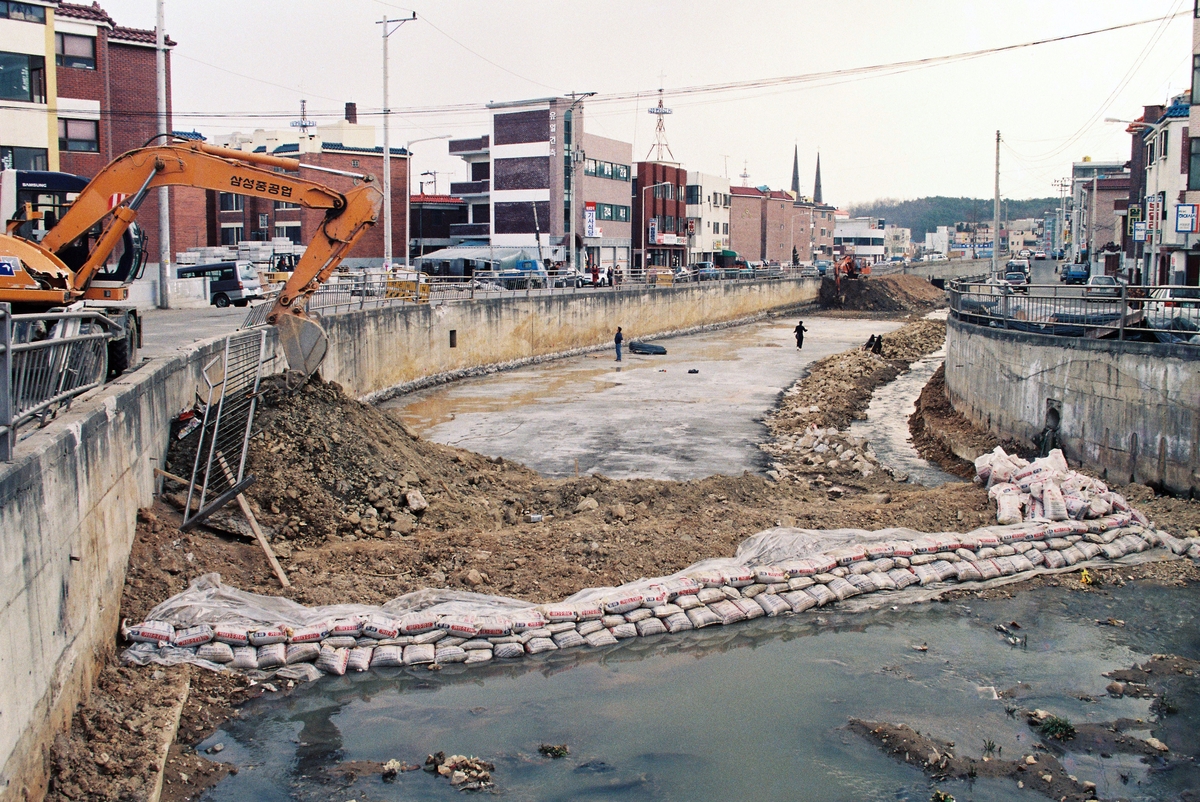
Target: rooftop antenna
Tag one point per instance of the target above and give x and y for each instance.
(745, 176)
(725, 156)
(303, 123)
(660, 130)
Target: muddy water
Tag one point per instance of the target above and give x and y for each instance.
(754, 711)
(647, 416)
(886, 425)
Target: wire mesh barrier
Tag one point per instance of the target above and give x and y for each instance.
(1166, 314)
(218, 471)
(48, 360)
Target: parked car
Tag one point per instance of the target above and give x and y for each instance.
(1172, 303)
(1102, 286)
(1040, 255)
(1018, 281)
(1024, 253)
(584, 278)
(228, 282)
(810, 271)
(708, 272)
(683, 274)
(1074, 273)
(823, 266)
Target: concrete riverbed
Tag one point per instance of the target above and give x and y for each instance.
(644, 417)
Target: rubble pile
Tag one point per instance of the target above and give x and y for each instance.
(826, 450)
(898, 293)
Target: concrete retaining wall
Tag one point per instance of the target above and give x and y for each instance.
(69, 502)
(373, 350)
(1130, 411)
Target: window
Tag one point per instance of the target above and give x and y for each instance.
(354, 162)
(1166, 141)
(604, 211)
(231, 233)
(22, 77)
(621, 214)
(75, 51)
(606, 169)
(231, 203)
(289, 230)
(278, 204)
(25, 158)
(1194, 163)
(621, 172)
(23, 11)
(693, 193)
(1196, 79)
(669, 224)
(589, 167)
(725, 228)
(79, 136)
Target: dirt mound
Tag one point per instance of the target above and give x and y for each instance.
(943, 436)
(881, 294)
(838, 388)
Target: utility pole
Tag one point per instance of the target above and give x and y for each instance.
(387, 150)
(1061, 184)
(574, 156)
(996, 214)
(1092, 223)
(164, 197)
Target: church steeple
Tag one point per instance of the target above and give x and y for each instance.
(817, 184)
(796, 172)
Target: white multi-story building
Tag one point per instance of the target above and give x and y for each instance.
(860, 237)
(28, 139)
(1166, 182)
(897, 241)
(708, 202)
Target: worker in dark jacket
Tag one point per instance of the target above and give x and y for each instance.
(618, 339)
(800, 334)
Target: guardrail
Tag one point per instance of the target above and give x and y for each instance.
(48, 360)
(358, 291)
(1167, 314)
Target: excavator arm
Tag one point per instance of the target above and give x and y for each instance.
(122, 185)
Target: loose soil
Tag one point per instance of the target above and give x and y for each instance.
(360, 509)
(898, 293)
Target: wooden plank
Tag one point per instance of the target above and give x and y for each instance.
(258, 533)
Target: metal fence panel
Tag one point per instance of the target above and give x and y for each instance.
(218, 471)
(8, 428)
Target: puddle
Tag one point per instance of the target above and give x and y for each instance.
(644, 417)
(751, 711)
(886, 425)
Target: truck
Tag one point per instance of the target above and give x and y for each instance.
(1074, 273)
(77, 246)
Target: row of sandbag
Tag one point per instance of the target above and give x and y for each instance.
(690, 601)
(1045, 489)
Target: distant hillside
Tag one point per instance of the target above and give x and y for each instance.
(926, 214)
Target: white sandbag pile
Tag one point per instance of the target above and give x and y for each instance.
(1046, 490)
(776, 572)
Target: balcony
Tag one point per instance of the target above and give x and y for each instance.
(461, 188)
(464, 147)
(468, 230)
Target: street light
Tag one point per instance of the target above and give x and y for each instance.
(643, 236)
(408, 199)
(387, 152)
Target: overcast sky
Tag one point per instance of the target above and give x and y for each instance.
(245, 64)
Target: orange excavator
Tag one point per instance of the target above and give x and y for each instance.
(70, 262)
(851, 268)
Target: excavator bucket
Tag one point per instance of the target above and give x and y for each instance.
(304, 342)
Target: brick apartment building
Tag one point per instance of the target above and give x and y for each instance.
(347, 146)
(92, 97)
(660, 214)
(768, 225)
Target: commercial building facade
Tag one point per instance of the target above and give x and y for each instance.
(660, 215)
(708, 202)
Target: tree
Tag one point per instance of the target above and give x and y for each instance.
(795, 256)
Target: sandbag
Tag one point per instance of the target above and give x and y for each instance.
(739, 577)
(677, 622)
(589, 611)
(842, 589)
(620, 604)
(863, 582)
(215, 652)
(650, 626)
(1052, 500)
(588, 627)
(528, 620)
(665, 610)
(272, 655)
(245, 658)
(444, 655)
(555, 613)
(902, 577)
(752, 608)
(727, 611)
(640, 614)
(380, 626)
(343, 627)
(233, 634)
(508, 651)
(478, 656)
(568, 639)
(314, 633)
(1054, 559)
(301, 653)
(882, 580)
(772, 604)
(340, 642)
(433, 636)
(622, 631)
(491, 626)
(418, 623)
(798, 600)
(192, 636)
(967, 572)
(768, 574)
(157, 632)
(334, 661)
(821, 594)
(702, 617)
(419, 654)
(461, 626)
(360, 658)
(600, 637)
(387, 656)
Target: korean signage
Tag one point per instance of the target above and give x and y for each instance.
(1134, 215)
(589, 220)
(1139, 232)
(1153, 213)
(1185, 219)
(653, 230)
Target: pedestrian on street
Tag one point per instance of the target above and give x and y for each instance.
(799, 334)
(618, 339)
(610, 277)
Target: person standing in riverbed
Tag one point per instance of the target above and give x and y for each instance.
(799, 334)
(618, 339)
